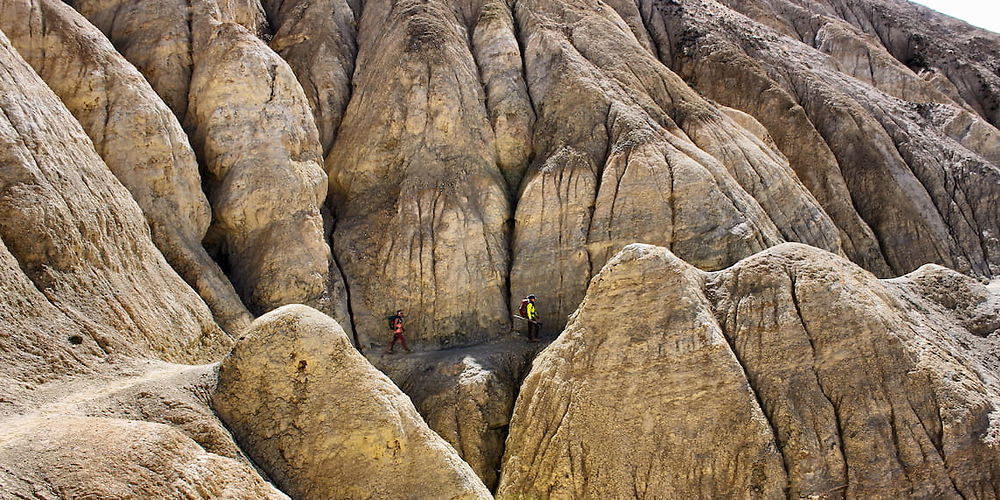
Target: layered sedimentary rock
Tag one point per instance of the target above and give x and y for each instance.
(79, 237)
(138, 137)
(858, 125)
(421, 203)
(323, 422)
(81, 457)
(838, 383)
(456, 156)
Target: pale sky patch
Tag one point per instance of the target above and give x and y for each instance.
(982, 13)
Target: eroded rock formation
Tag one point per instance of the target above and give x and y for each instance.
(324, 423)
(169, 169)
(267, 198)
(86, 457)
(76, 233)
(421, 202)
(466, 395)
(793, 372)
(135, 133)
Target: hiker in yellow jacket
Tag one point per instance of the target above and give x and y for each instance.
(530, 312)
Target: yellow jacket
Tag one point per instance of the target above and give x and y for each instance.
(532, 312)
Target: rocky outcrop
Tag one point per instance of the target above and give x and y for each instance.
(83, 292)
(421, 203)
(649, 396)
(253, 129)
(158, 38)
(81, 457)
(448, 157)
(314, 414)
(625, 151)
(466, 395)
(914, 182)
(318, 40)
(80, 238)
(837, 384)
(136, 135)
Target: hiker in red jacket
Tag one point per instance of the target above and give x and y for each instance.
(396, 327)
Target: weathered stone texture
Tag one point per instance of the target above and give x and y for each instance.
(804, 373)
(80, 238)
(138, 137)
(324, 423)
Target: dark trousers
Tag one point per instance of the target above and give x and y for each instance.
(532, 330)
(397, 336)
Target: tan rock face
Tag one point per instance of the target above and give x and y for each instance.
(323, 422)
(914, 182)
(157, 38)
(79, 237)
(640, 396)
(318, 40)
(625, 151)
(266, 197)
(850, 386)
(466, 395)
(157, 41)
(79, 457)
(134, 132)
(38, 342)
(421, 204)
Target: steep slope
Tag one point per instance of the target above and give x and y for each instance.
(920, 170)
(479, 151)
(421, 203)
(136, 135)
(625, 151)
(266, 198)
(80, 238)
(252, 129)
(793, 371)
(84, 292)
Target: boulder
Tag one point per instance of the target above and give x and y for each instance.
(466, 395)
(87, 457)
(324, 423)
(806, 374)
(641, 395)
